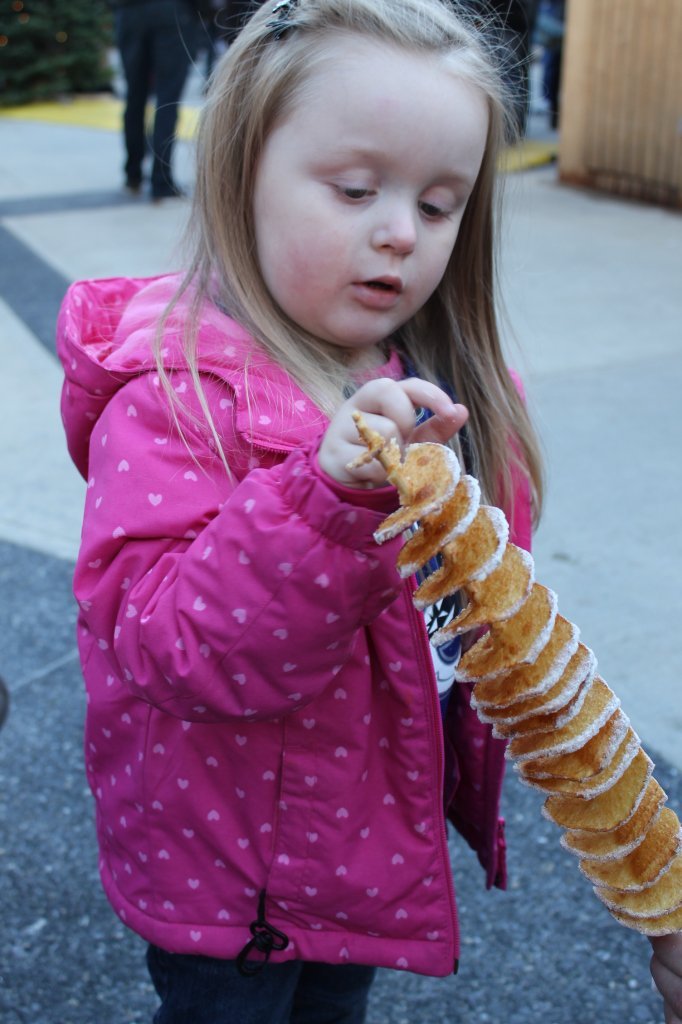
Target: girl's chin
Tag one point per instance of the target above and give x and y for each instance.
(367, 348)
(364, 357)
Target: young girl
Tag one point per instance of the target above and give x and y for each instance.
(264, 737)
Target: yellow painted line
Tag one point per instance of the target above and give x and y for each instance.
(103, 113)
(528, 153)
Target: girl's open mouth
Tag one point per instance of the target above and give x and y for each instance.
(379, 293)
(392, 285)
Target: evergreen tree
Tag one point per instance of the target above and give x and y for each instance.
(52, 47)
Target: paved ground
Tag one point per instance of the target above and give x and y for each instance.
(592, 285)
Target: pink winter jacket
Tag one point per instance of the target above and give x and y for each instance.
(263, 737)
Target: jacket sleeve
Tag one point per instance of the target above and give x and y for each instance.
(218, 597)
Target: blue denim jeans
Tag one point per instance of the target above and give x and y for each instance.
(204, 990)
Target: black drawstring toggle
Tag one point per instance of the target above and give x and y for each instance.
(265, 938)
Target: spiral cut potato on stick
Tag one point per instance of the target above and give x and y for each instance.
(537, 685)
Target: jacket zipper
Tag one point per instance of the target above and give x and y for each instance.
(267, 446)
(433, 712)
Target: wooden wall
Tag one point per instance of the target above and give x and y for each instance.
(621, 100)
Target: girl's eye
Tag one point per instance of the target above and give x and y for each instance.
(432, 211)
(355, 193)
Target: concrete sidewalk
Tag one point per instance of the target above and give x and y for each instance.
(592, 285)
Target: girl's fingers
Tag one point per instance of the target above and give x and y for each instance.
(386, 405)
(390, 408)
(667, 949)
(441, 428)
(448, 417)
(666, 970)
(398, 401)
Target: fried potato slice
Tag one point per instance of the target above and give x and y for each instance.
(603, 846)
(471, 552)
(587, 760)
(548, 720)
(504, 693)
(665, 924)
(499, 596)
(438, 528)
(595, 784)
(515, 641)
(664, 896)
(645, 864)
(425, 479)
(608, 810)
(581, 668)
(600, 703)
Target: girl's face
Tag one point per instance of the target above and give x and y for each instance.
(361, 188)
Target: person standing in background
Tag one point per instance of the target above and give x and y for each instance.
(212, 35)
(550, 35)
(512, 23)
(156, 40)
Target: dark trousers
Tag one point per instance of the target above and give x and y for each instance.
(233, 16)
(157, 41)
(512, 30)
(207, 991)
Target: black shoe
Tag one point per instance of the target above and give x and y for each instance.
(133, 186)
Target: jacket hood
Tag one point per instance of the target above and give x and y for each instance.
(105, 337)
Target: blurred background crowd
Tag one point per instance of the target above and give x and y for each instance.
(54, 49)
(147, 48)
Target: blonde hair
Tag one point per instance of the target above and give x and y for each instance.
(454, 339)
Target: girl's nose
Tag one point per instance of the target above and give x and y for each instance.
(397, 230)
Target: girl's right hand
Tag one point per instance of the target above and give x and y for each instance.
(389, 407)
